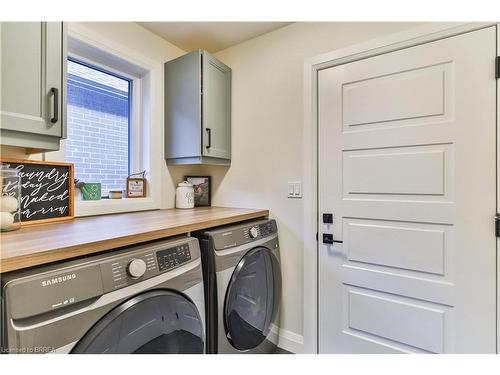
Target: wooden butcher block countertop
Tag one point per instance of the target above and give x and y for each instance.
(46, 243)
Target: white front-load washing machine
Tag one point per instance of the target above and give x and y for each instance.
(241, 265)
(140, 299)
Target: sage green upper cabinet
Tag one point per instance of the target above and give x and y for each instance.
(197, 110)
(33, 76)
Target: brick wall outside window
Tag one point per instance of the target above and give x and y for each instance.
(98, 126)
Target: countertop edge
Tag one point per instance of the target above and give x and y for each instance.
(51, 256)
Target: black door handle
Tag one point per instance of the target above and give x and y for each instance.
(209, 131)
(55, 93)
(328, 239)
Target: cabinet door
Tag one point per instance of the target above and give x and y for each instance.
(31, 76)
(216, 108)
(183, 106)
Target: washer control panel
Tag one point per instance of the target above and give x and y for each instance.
(172, 257)
(145, 261)
(136, 268)
(126, 269)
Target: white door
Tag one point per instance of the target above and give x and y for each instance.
(407, 167)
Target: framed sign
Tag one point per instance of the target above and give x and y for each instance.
(202, 187)
(136, 187)
(47, 190)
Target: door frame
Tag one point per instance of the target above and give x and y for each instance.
(408, 38)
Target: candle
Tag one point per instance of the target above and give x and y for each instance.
(8, 204)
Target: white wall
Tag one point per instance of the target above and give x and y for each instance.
(267, 113)
(136, 38)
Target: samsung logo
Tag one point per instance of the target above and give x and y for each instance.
(59, 279)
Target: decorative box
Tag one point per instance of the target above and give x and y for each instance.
(91, 191)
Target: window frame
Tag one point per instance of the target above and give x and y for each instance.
(87, 45)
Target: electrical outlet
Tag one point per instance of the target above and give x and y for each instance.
(295, 189)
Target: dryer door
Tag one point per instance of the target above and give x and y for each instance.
(158, 321)
(252, 299)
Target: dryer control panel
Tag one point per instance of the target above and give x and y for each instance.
(260, 230)
(267, 229)
(232, 236)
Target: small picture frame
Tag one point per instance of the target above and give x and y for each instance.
(136, 187)
(202, 186)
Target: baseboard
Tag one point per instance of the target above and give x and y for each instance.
(289, 340)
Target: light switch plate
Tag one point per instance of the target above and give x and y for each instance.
(295, 189)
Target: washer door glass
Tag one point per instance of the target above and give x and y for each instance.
(252, 298)
(158, 321)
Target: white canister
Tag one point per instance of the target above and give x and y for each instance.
(184, 195)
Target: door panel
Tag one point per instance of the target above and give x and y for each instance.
(31, 67)
(155, 322)
(216, 108)
(407, 166)
(183, 106)
(385, 319)
(21, 48)
(252, 299)
(402, 172)
(394, 244)
(415, 95)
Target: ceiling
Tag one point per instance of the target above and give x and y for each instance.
(211, 36)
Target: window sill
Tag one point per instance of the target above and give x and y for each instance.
(112, 206)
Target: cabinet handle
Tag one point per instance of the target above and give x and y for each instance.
(55, 93)
(209, 131)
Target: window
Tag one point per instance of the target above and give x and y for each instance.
(114, 119)
(99, 123)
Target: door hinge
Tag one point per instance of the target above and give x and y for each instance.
(497, 67)
(316, 236)
(497, 225)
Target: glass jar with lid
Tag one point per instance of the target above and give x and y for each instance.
(10, 207)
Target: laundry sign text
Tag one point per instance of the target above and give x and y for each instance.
(46, 190)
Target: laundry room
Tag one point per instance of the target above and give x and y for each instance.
(286, 182)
